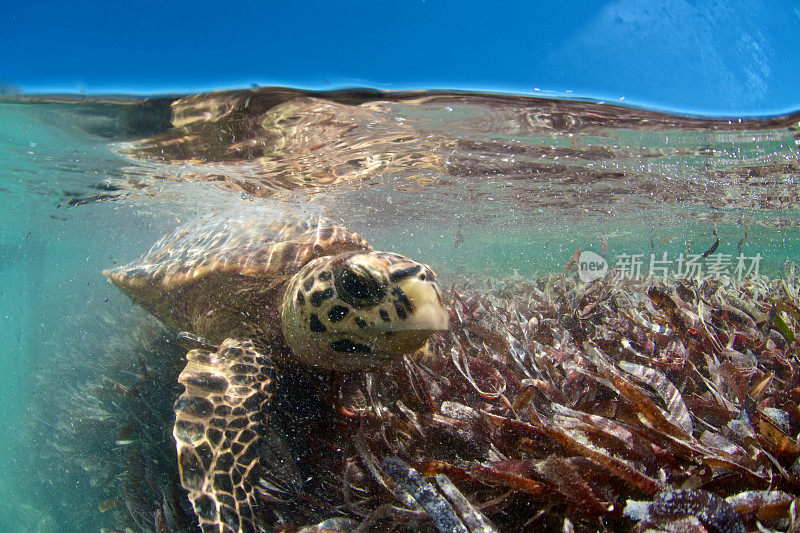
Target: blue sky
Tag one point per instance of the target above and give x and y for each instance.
(696, 56)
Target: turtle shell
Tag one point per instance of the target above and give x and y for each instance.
(225, 274)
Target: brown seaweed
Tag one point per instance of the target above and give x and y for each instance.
(550, 404)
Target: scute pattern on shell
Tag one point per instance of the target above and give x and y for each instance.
(255, 240)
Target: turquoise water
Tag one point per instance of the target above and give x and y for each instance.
(474, 185)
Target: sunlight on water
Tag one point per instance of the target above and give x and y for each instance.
(477, 186)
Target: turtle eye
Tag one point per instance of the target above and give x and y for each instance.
(357, 288)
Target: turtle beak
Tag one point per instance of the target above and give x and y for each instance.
(419, 314)
(425, 310)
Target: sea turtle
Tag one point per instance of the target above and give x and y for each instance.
(260, 287)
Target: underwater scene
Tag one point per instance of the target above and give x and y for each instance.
(281, 310)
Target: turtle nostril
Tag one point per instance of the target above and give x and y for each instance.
(427, 274)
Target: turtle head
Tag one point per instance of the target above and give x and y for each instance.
(360, 310)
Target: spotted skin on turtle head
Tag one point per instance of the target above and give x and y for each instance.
(361, 310)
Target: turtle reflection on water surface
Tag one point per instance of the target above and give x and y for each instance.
(261, 288)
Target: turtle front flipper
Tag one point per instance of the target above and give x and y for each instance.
(219, 422)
